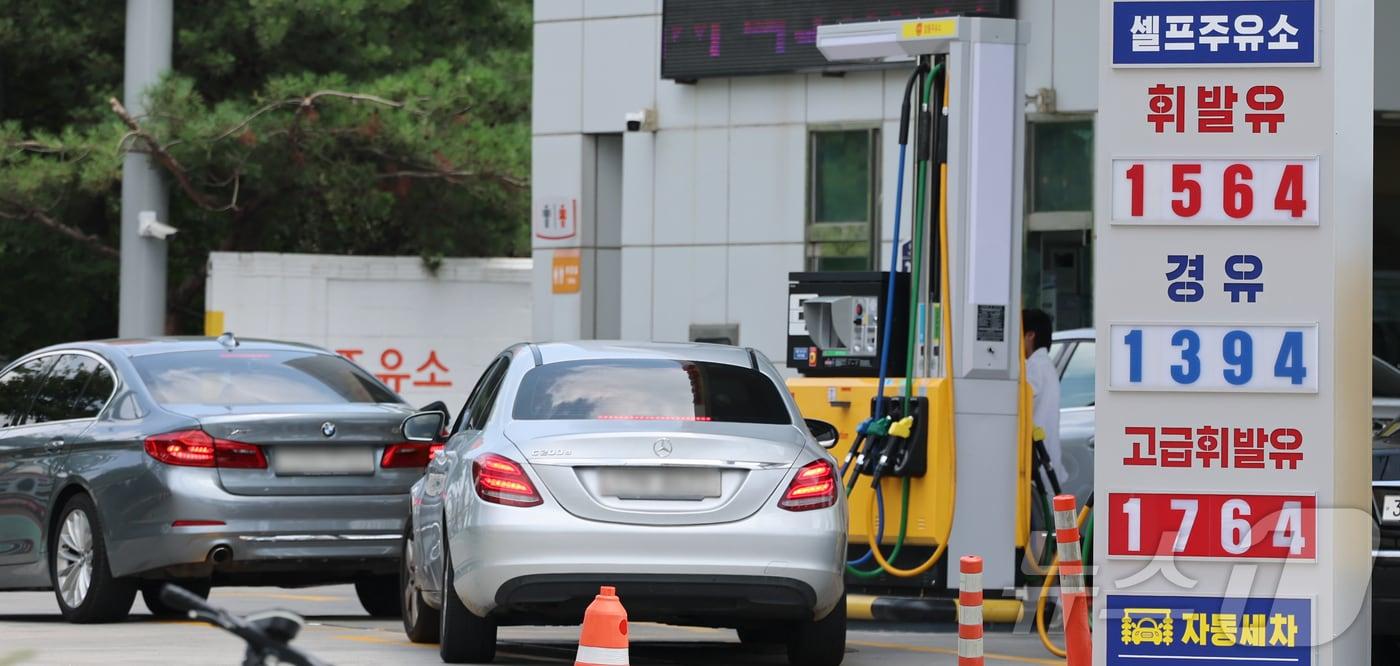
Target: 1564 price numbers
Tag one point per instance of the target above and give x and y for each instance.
(1219, 192)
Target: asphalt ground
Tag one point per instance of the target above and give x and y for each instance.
(339, 632)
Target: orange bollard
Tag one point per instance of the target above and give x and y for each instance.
(603, 641)
(1079, 643)
(970, 611)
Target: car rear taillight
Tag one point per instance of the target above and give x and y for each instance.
(814, 487)
(195, 448)
(409, 454)
(501, 481)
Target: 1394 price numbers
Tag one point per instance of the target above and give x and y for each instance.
(1255, 358)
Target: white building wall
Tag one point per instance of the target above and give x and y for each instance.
(714, 202)
(389, 314)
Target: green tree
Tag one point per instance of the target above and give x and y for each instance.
(328, 126)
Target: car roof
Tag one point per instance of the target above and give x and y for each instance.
(581, 350)
(133, 347)
(1074, 334)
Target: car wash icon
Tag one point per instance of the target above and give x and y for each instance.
(1147, 626)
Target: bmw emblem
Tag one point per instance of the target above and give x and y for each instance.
(662, 448)
(328, 429)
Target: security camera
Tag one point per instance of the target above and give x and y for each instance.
(147, 225)
(641, 121)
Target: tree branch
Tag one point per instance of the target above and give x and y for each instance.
(358, 97)
(25, 213)
(154, 149)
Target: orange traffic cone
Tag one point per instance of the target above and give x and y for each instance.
(604, 638)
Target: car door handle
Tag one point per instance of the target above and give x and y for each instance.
(55, 443)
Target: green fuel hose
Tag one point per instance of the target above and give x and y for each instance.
(916, 270)
(899, 541)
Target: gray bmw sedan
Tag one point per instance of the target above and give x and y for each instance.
(125, 464)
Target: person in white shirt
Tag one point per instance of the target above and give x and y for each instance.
(1045, 382)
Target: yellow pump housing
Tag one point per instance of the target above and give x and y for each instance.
(845, 401)
(929, 496)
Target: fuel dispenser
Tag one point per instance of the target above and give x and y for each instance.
(938, 466)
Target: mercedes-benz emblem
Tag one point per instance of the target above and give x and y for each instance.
(328, 429)
(662, 447)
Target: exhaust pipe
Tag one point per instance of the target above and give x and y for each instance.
(220, 554)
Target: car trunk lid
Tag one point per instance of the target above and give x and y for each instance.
(302, 458)
(658, 472)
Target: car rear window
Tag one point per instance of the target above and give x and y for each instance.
(645, 390)
(257, 378)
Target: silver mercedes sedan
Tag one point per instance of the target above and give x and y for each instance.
(125, 464)
(680, 474)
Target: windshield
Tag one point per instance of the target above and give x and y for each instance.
(645, 390)
(257, 378)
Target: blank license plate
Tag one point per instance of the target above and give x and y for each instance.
(322, 460)
(1390, 511)
(666, 484)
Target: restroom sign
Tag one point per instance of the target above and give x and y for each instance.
(556, 218)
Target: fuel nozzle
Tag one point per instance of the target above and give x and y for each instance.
(876, 434)
(862, 433)
(1042, 458)
(896, 443)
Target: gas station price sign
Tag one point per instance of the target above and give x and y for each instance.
(1206, 525)
(1216, 192)
(1233, 245)
(1280, 359)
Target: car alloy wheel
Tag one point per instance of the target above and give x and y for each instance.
(410, 592)
(82, 578)
(420, 621)
(75, 554)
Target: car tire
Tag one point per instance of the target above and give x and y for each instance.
(421, 622)
(763, 634)
(379, 595)
(150, 593)
(466, 638)
(86, 591)
(821, 642)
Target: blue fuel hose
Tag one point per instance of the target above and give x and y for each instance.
(886, 321)
(869, 555)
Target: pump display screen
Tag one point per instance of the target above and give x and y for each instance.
(708, 38)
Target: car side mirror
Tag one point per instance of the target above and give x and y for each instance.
(826, 434)
(423, 427)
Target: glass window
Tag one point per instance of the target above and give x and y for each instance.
(59, 399)
(481, 383)
(258, 377)
(96, 393)
(1077, 382)
(1385, 379)
(1063, 176)
(644, 390)
(18, 387)
(843, 187)
(481, 407)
